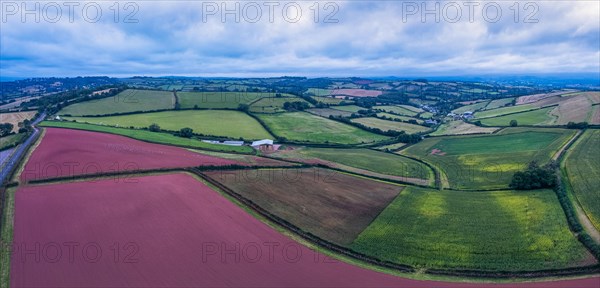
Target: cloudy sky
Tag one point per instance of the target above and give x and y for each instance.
(339, 38)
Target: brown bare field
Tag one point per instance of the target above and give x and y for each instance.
(356, 92)
(593, 96)
(329, 204)
(15, 118)
(573, 109)
(537, 97)
(549, 101)
(595, 118)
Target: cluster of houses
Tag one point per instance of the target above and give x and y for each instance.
(429, 109)
(465, 115)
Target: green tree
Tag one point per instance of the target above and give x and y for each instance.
(5, 129)
(514, 123)
(534, 177)
(580, 125)
(154, 127)
(243, 107)
(186, 132)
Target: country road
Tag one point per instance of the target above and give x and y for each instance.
(10, 163)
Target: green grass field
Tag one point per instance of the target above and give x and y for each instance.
(403, 118)
(219, 100)
(503, 111)
(127, 101)
(331, 100)
(499, 103)
(319, 91)
(411, 108)
(459, 127)
(391, 147)
(273, 105)
(326, 112)
(11, 140)
(145, 135)
(226, 123)
(425, 115)
(489, 161)
(386, 125)
(349, 108)
(375, 161)
(398, 110)
(471, 107)
(582, 164)
(507, 231)
(6, 236)
(304, 127)
(535, 117)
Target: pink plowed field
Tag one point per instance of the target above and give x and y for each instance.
(168, 231)
(66, 152)
(356, 92)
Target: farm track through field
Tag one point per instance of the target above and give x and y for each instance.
(175, 99)
(581, 214)
(585, 221)
(562, 150)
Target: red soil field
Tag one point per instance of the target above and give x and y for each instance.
(356, 92)
(67, 152)
(169, 231)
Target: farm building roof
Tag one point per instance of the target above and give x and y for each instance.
(233, 143)
(262, 142)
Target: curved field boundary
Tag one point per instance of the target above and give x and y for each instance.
(578, 209)
(559, 154)
(586, 270)
(572, 209)
(441, 179)
(339, 250)
(437, 178)
(356, 172)
(305, 235)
